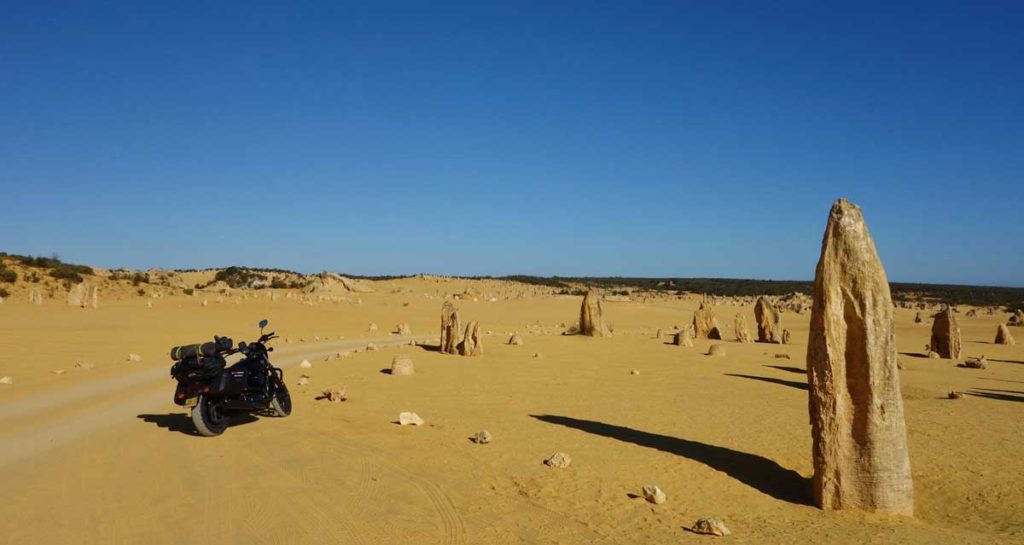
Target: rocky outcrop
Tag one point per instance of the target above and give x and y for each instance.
(769, 322)
(946, 336)
(473, 343)
(705, 325)
(1003, 335)
(449, 328)
(856, 411)
(592, 316)
(742, 333)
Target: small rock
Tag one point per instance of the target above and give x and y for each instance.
(710, 526)
(482, 437)
(974, 363)
(403, 329)
(58, 371)
(515, 340)
(335, 394)
(7, 380)
(402, 366)
(372, 327)
(372, 347)
(84, 365)
(410, 419)
(716, 350)
(654, 494)
(305, 364)
(558, 460)
(933, 355)
(303, 380)
(782, 356)
(634, 372)
(954, 395)
(134, 357)
(538, 355)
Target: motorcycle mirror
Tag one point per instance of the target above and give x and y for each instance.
(241, 345)
(263, 323)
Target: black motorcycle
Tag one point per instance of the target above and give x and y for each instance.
(213, 392)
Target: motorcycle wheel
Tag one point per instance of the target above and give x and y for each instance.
(282, 402)
(209, 418)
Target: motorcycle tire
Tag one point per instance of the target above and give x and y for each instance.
(209, 418)
(282, 402)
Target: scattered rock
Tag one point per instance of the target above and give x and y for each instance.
(371, 327)
(933, 355)
(592, 316)
(370, 347)
(954, 395)
(410, 419)
(303, 380)
(1003, 335)
(634, 372)
(401, 365)
(786, 338)
(335, 394)
(538, 355)
(305, 364)
(657, 334)
(134, 357)
(482, 437)
(83, 365)
(856, 411)
(654, 494)
(782, 356)
(558, 460)
(710, 526)
(58, 371)
(946, 335)
(716, 350)
(35, 297)
(449, 328)
(918, 318)
(473, 343)
(769, 322)
(403, 329)
(7, 380)
(974, 363)
(515, 340)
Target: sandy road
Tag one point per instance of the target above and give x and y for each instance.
(35, 424)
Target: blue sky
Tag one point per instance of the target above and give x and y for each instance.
(568, 138)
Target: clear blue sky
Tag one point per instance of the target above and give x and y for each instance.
(569, 138)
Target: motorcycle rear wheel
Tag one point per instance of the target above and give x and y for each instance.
(282, 402)
(209, 418)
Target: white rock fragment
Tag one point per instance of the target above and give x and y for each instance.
(134, 357)
(558, 460)
(305, 364)
(710, 526)
(482, 437)
(410, 419)
(654, 494)
(7, 380)
(402, 366)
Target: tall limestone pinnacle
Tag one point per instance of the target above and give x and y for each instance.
(859, 434)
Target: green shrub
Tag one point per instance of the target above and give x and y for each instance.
(4, 293)
(7, 275)
(141, 292)
(69, 273)
(189, 291)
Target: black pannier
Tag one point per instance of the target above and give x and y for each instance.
(198, 368)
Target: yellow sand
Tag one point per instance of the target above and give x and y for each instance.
(104, 456)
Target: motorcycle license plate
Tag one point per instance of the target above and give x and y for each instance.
(191, 402)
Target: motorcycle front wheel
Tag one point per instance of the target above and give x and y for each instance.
(282, 402)
(209, 418)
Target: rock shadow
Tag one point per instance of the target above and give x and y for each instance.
(779, 381)
(795, 370)
(758, 472)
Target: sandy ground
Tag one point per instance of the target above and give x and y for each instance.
(104, 456)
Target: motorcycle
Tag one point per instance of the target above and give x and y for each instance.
(213, 392)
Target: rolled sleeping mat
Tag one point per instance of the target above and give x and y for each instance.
(186, 351)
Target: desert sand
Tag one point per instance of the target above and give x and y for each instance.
(103, 456)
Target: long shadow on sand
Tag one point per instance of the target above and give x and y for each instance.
(182, 423)
(788, 369)
(783, 382)
(996, 394)
(914, 354)
(755, 471)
